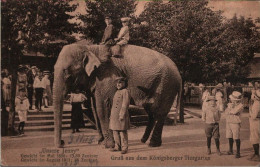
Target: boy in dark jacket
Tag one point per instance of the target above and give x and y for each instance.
(211, 116)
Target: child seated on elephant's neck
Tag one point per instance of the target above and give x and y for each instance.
(119, 119)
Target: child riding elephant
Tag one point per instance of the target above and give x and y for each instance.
(123, 36)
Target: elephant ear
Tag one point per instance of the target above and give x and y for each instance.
(90, 61)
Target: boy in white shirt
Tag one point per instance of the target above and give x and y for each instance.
(21, 107)
(233, 121)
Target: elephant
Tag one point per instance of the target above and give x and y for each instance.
(153, 83)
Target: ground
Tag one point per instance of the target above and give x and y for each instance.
(184, 144)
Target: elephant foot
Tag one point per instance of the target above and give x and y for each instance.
(109, 144)
(144, 139)
(100, 140)
(155, 144)
(61, 145)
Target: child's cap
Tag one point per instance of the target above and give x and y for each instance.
(211, 98)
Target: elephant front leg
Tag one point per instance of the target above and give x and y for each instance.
(103, 109)
(94, 109)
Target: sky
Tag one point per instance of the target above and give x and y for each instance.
(241, 8)
(230, 7)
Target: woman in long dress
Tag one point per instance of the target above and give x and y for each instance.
(220, 101)
(6, 88)
(76, 100)
(204, 98)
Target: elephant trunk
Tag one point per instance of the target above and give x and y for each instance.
(58, 89)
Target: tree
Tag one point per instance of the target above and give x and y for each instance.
(36, 26)
(94, 24)
(195, 38)
(184, 31)
(240, 40)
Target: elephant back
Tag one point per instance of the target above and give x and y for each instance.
(143, 58)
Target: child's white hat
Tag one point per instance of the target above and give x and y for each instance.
(235, 96)
(125, 19)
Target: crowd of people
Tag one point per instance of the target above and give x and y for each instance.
(198, 91)
(33, 91)
(214, 105)
(36, 83)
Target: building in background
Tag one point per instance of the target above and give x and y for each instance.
(255, 68)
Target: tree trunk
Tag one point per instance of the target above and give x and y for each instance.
(181, 115)
(14, 55)
(11, 128)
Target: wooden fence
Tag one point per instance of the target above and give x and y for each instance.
(193, 94)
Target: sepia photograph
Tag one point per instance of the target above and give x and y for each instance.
(130, 82)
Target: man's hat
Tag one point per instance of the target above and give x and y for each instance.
(108, 17)
(125, 19)
(211, 98)
(118, 79)
(201, 85)
(33, 67)
(27, 66)
(22, 90)
(219, 85)
(235, 96)
(20, 66)
(46, 72)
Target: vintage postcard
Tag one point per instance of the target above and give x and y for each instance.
(130, 83)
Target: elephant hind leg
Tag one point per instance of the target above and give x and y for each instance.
(149, 127)
(156, 139)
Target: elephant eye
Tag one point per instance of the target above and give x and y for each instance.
(66, 74)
